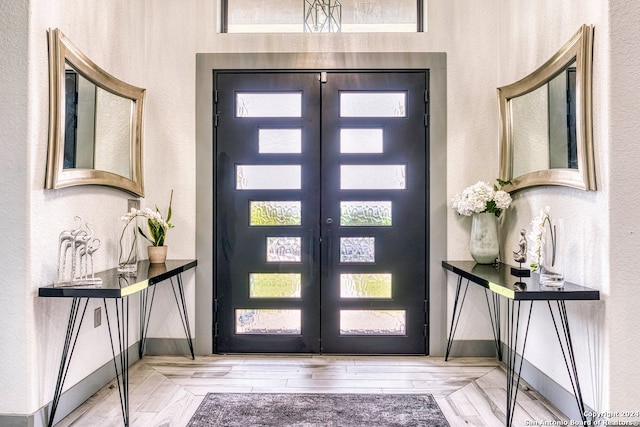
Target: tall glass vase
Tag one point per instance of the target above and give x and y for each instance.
(484, 238)
(552, 260)
(128, 249)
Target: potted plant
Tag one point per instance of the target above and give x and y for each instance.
(158, 227)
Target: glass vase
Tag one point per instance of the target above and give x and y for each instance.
(552, 260)
(128, 249)
(484, 238)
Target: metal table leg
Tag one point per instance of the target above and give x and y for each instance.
(566, 346)
(146, 304)
(122, 379)
(513, 369)
(182, 309)
(494, 315)
(73, 327)
(455, 318)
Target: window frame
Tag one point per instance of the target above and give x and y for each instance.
(224, 16)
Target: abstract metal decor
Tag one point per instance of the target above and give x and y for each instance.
(82, 245)
(322, 16)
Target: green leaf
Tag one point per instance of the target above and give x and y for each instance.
(144, 235)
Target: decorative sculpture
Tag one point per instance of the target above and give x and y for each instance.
(82, 245)
(520, 256)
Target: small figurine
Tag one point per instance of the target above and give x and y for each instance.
(520, 256)
(82, 245)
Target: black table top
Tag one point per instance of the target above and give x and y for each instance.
(497, 278)
(115, 285)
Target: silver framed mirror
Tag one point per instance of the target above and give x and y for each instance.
(546, 131)
(95, 123)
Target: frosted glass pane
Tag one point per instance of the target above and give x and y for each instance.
(373, 322)
(365, 286)
(368, 214)
(361, 140)
(279, 141)
(283, 249)
(283, 104)
(274, 213)
(268, 177)
(372, 177)
(346, 16)
(373, 104)
(357, 249)
(271, 322)
(275, 285)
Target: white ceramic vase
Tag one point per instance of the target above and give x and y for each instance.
(484, 238)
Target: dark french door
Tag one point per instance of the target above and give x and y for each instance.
(320, 207)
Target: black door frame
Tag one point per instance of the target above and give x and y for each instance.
(207, 63)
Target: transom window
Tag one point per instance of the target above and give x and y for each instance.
(326, 16)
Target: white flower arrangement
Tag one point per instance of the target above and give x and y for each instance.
(482, 197)
(537, 237)
(157, 225)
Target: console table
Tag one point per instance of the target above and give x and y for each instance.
(118, 288)
(498, 282)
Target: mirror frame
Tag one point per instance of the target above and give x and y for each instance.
(579, 49)
(62, 51)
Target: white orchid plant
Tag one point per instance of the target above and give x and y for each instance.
(482, 197)
(537, 237)
(156, 224)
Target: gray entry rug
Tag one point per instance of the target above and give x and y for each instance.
(343, 410)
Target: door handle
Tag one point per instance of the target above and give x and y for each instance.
(329, 221)
(329, 242)
(311, 255)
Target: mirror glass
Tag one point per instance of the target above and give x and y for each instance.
(95, 123)
(546, 121)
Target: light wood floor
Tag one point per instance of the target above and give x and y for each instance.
(165, 391)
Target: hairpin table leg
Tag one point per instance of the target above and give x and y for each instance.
(182, 309)
(122, 379)
(513, 369)
(73, 327)
(455, 317)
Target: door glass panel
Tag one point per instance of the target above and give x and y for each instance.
(279, 141)
(357, 249)
(361, 140)
(282, 104)
(372, 177)
(274, 213)
(365, 213)
(268, 177)
(271, 322)
(283, 249)
(373, 322)
(365, 286)
(275, 285)
(373, 104)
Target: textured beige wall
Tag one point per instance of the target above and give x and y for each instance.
(623, 175)
(14, 194)
(529, 34)
(112, 34)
